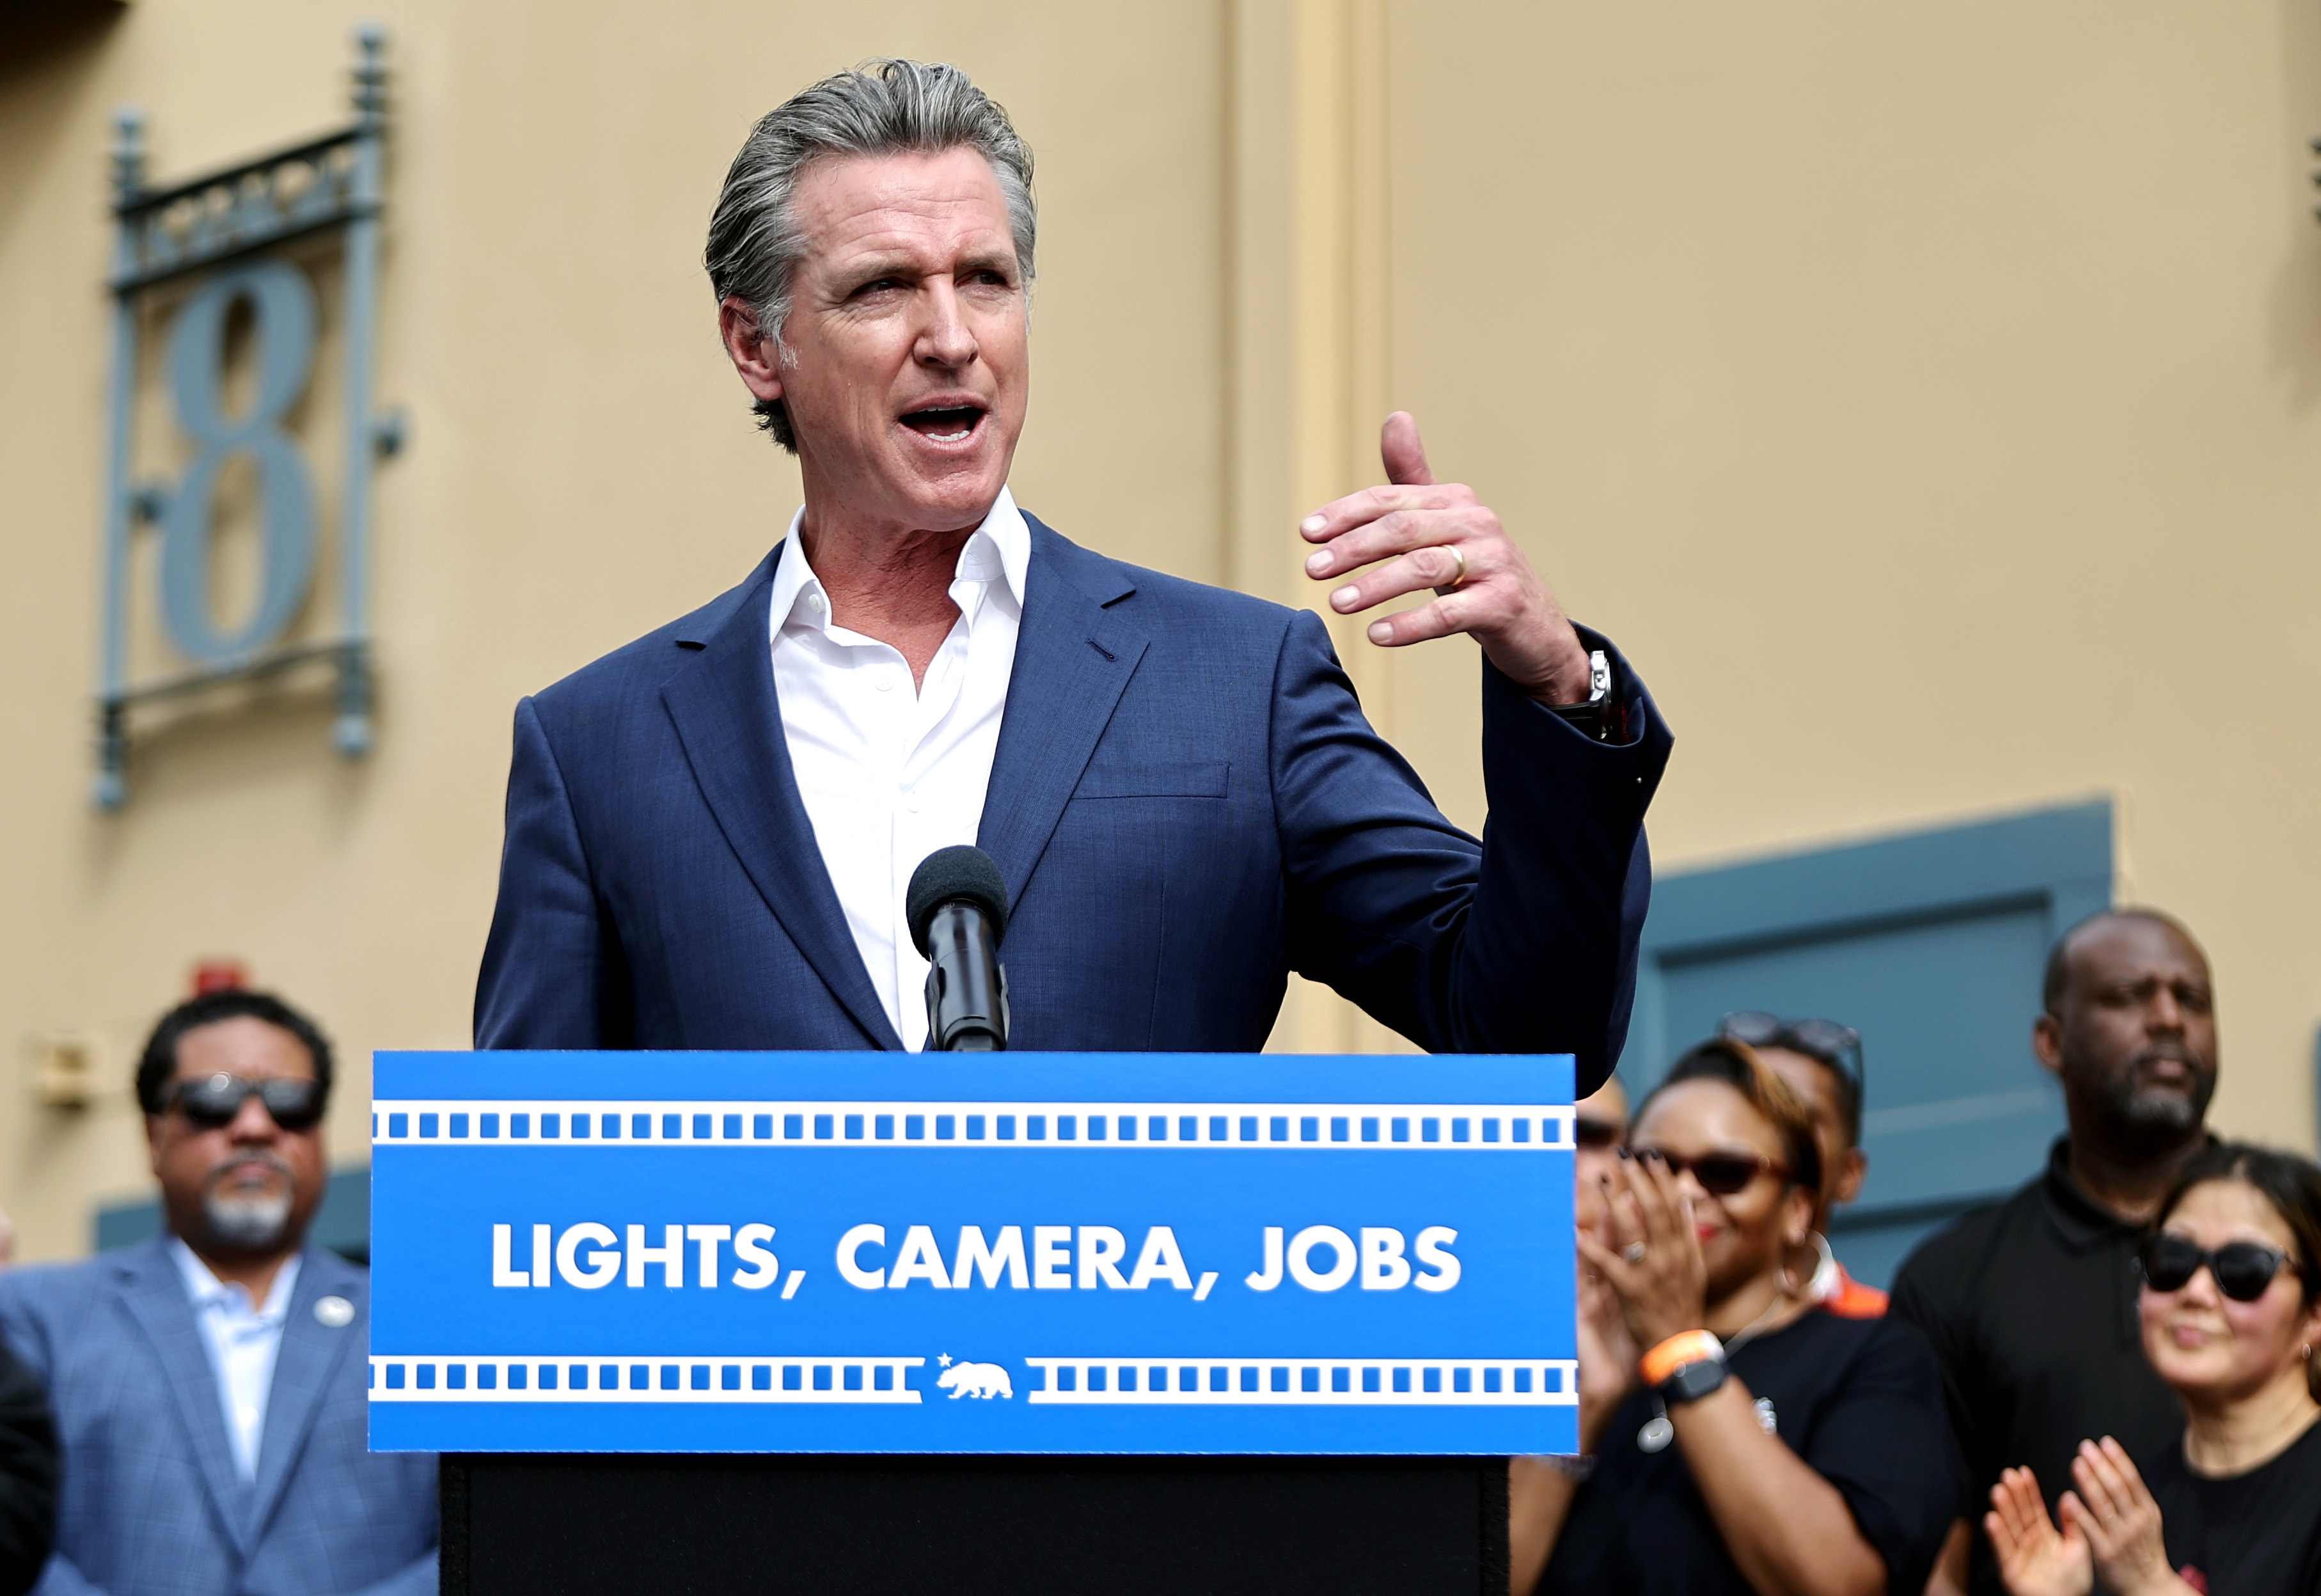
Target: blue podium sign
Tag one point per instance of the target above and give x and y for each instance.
(1012, 1253)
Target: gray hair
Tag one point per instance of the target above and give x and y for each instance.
(882, 107)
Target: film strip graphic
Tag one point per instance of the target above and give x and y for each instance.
(637, 1378)
(549, 1122)
(1076, 1381)
(1328, 1383)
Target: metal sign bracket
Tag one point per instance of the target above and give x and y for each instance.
(228, 227)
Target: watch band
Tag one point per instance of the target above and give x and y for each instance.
(1686, 1367)
(1688, 1346)
(1597, 715)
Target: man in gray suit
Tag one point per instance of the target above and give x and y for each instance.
(209, 1385)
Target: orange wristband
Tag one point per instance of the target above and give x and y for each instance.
(1687, 1346)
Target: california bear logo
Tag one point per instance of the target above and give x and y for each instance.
(981, 1381)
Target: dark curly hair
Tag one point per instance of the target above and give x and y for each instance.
(159, 1060)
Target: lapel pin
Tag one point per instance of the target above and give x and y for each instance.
(334, 1313)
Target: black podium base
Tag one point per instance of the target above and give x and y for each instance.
(529, 1526)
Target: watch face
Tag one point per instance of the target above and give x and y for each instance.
(1694, 1380)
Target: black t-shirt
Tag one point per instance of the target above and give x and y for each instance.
(1860, 1399)
(2031, 1306)
(2257, 1533)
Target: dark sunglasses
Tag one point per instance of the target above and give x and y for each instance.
(1837, 1045)
(1720, 1175)
(2242, 1270)
(1594, 1133)
(214, 1102)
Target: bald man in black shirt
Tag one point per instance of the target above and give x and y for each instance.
(2032, 1305)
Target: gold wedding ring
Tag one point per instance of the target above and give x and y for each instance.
(1458, 581)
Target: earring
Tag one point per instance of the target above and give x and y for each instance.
(1824, 1259)
(1787, 1279)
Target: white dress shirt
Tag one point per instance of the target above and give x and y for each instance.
(888, 775)
(242, 1340)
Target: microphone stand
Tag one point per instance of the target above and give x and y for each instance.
(967, 985)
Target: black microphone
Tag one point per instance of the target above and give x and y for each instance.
(956, 909)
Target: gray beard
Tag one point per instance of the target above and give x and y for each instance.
(2152, 1120)
(246, 1224)
(2166, 1114)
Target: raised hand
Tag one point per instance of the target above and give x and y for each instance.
(2033, 1558)
(2120, 1522)
(1439, 535)
(1607, 1357)
(1655, 1268)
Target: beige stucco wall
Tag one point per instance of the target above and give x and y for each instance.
(1923, 398)
(1929, 398)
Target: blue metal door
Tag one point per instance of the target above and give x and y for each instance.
(1931, 944)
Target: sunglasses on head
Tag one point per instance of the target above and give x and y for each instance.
(2242, 1270)
(1837, 1045)
(214, 1100)
(1720, 1175)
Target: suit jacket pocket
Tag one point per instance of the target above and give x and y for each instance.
(1197, 779)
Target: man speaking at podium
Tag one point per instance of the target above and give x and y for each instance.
(710, 831)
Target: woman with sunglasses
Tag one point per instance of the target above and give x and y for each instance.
(1739, 1438)
(2231, 1314)
(1820, 1060)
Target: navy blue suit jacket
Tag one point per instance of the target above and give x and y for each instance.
(1187, 804)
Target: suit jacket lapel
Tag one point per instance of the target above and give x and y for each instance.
(723, 703)
(155, 1295)
(1073, 660)
(305, 1361)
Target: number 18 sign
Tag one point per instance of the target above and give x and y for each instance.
(1029, 1253)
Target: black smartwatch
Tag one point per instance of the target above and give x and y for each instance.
(1597, 715)
(1694, 1380)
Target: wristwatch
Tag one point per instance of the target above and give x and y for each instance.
(1685, 1367)
(1596, 714)
(1694, 1380)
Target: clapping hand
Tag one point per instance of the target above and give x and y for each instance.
(2113, 1512)
(1656, 1268)
(1440, 535)
(2111, 1525)
(1608, 1357)
(2035, 1559)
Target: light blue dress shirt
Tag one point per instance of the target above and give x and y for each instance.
(242, 1339)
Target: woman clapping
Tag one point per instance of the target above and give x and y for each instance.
(1740, 1438)
(2231, 1312)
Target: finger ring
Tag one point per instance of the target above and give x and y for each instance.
(1459, 579)
(1634, 1252)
